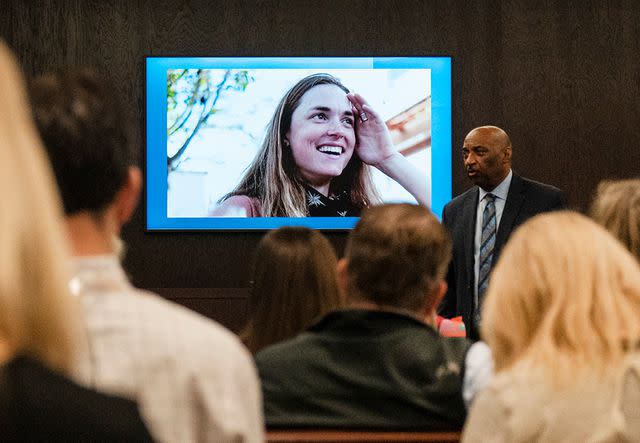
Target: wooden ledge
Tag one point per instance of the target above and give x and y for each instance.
(339, 436)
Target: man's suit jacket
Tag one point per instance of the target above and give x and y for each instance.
(525, 199)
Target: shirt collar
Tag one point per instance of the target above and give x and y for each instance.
(367, 321)
(499, 191)
(97, 272)
(106, 261)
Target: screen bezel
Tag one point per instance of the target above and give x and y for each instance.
(156, 139)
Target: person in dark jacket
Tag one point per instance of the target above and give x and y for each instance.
(380, 362)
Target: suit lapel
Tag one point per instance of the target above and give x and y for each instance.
(515, 198)
(469, 222)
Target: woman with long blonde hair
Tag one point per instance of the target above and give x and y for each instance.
(617, 208)
(562, 318)
(40, 322)
(38, 317)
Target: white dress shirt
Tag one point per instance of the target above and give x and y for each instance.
(193, 380)
(500, 192)
(478, 371)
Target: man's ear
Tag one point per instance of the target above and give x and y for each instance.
(507, 154)
(436, 297)
(342, 273)
(6, 351)
(128, 196)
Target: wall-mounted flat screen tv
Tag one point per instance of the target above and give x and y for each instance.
(261, 142)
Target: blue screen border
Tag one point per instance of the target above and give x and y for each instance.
(156, 123)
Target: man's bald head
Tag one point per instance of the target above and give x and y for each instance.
(493, 133)
(487, 156)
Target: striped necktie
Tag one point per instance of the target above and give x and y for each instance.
(487, 242)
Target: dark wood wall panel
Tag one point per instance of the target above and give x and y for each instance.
(562, 77)
(229, 305)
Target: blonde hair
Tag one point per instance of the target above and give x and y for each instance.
(294, 283)
(563, 298)
(37, 313)
(617, 208)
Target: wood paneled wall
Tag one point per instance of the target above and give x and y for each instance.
(561, 77)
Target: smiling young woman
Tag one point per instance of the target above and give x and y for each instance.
(313, 160)
(322, 136)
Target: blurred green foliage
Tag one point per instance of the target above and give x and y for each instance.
(192, 98)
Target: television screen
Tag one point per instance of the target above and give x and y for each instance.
(262, 142)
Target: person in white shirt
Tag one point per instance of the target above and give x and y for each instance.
(193, 379)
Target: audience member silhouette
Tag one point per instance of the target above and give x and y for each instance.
(562, 318)
(380, 363)
(40, 322)
(617, 208)
(193, 379)
(293, 284)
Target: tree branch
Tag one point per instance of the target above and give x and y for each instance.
(173, 161)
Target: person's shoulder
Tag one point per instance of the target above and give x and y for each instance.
(502, 388)
(539, 186)
(547, 195)
(159, 317)
(457, 203)
(455, 348)
(489, 416)
(279, 355)
(462, 198)
(276, 350)
(512, 384)
(237, 206)
(180, 314)
(459, 344)
(44, 395)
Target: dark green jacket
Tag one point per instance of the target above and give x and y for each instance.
(364, 369)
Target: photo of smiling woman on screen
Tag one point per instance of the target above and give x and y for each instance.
(316, 157)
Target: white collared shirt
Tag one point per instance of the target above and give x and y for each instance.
(500, 192)
(192, 379)
(478, 371)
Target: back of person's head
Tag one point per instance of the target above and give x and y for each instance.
(617, 208)
(86, 135)
(397, 256)
(37, 314)
(563, 297)
(294, 283)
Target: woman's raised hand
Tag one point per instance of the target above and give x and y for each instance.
(375, 148)
(374, 145)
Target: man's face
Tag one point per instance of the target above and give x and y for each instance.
(487, 157)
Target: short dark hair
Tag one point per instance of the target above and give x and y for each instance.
(397, 254)
(86, 135)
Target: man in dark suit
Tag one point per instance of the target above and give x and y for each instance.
(481, 220)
